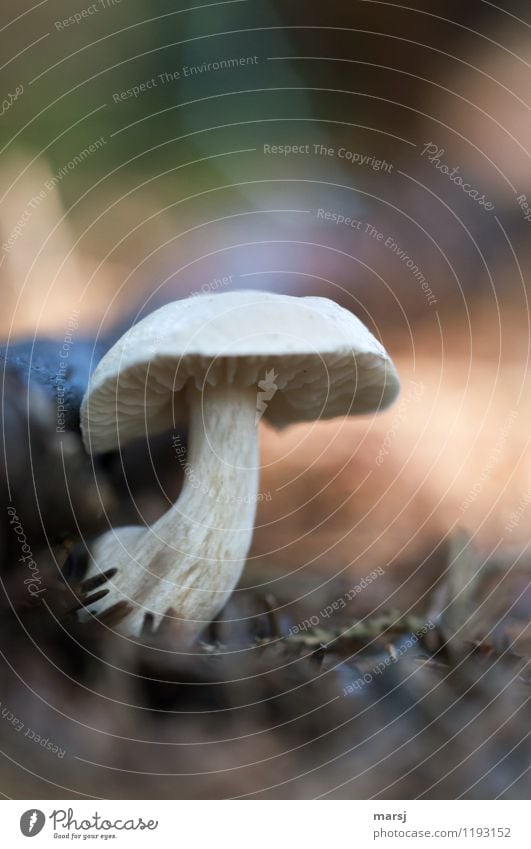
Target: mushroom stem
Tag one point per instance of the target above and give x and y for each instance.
(192, 557)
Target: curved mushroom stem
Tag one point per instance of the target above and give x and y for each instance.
(192, 557)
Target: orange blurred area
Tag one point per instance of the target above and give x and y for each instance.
(348, 496)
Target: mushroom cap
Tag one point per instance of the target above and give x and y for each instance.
(309, 357)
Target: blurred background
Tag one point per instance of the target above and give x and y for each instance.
(371, 152)
(137, 168)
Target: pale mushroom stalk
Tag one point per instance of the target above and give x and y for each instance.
(192, 557)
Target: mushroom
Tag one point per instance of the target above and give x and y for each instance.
(222, 363)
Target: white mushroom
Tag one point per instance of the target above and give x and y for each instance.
(221, 363)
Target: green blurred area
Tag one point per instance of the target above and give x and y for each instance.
(76, 79)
